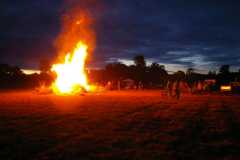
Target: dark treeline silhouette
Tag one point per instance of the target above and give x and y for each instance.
(156, 76)
(12, 77)
(144, 76)
(117, 75)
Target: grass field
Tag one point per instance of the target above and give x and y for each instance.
(119, 125)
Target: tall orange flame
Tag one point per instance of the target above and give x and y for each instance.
(71, 77)
(78, 38)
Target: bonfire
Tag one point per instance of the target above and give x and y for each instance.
(71, 77)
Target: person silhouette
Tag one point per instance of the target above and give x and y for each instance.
(169, 88)
(177, 89)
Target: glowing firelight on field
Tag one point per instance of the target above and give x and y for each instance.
(71, 77)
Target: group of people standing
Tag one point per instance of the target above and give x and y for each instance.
(175, 88)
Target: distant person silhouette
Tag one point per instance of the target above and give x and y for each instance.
(177, 89)
(169, 88)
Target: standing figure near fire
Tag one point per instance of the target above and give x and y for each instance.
(177, 89)
(169, 88)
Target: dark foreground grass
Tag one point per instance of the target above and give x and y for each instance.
(119, 125)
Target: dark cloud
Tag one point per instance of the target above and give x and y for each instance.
(202, 34)
(28, 29)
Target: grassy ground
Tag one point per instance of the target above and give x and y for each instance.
(119, 125)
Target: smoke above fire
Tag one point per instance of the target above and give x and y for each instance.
(74, 43)
(77, 23)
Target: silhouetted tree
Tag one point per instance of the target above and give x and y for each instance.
(116, 71)
(224, 69)
(157, 74)
(139, 61)
(140, 69)
(224, 76)
(156, 66)
(6, 70)
(190, 71)
(10, 76)
(212, 73)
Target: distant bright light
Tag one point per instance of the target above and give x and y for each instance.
(226, 88)
(30, 71)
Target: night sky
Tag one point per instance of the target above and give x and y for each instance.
(201, 34)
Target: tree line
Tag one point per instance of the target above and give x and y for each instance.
(152, 76)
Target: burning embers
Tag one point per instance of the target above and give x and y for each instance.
(71, 77)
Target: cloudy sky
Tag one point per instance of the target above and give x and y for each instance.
(201, 34)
